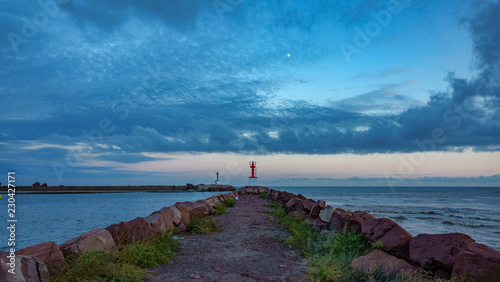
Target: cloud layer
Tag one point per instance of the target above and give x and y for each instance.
(179, 76)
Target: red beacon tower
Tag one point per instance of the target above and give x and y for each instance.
(253, 166)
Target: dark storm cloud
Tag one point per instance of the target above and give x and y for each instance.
(111, 14)
(210, 87)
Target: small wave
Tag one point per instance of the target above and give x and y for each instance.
(427, 218)
(471, 225)
(447, 212)
(399, 217)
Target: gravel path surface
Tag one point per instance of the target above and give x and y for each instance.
(249, 248)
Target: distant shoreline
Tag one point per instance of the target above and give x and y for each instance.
(98, 189)
(113, 189)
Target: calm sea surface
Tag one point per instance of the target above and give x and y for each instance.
(60, 217)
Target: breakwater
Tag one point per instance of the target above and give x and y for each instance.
(446, 255)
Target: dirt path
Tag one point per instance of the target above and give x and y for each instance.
(249, 248)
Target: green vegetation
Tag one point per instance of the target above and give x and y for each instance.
(229, 202)
(220, 209)
(330, 255)
(124, 264)
(205, 225)
(264, 195)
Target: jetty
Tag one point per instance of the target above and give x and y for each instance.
(252, 244)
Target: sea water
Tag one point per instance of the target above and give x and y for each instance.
(60, 217)
(474, 211)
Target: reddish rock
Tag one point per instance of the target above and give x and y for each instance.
(321, 225)
(195, 209)
(47, 252)
(261, 190)
(378, 258)
(36, 184)
(321, 203)
(157, 223)
(44, 185)
(130, 231)
(182, 227)
(476, 268)
(255, 191)
(326, 214)
(28, 268)
(397, 242)
(443, 250)
(211, 209)
(184, 213)
(395, 239)
(295, 204)
(356, 221)
(172, 216)
(302, 197)
(308, 205)
(376, 228)
(96, 239)
(316, 209)
(339, 219)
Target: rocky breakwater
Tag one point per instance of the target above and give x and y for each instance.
(31, 262)
(453, 255)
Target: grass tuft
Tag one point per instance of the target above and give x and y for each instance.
(205, 225)
(264, 195)
(220, 209)
(124, 264)
(229, 202)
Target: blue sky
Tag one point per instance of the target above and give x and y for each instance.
(317, 92)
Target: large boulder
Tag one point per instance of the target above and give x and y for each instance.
(157, 223)
(130, 231)
(395, 239)
(326, 214)
(339, 218)
(356, 221)
(321, 203)
(294, 204)
(47, 252)
(205, 202)
(321, 225)
(27, 268)
(316, 209)
(96, 239)
(476, 267)
(308, 205)
(196, 209)
(184, 211)
(433, 251)
(172, 215)
(377, 258)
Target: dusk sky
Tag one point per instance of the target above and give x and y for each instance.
(320, 92)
